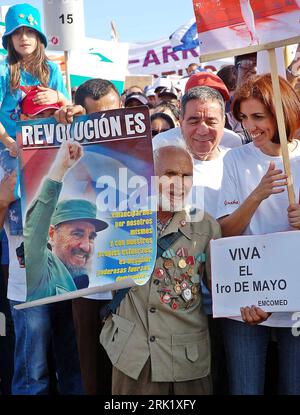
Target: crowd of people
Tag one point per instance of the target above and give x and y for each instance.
(215, 131)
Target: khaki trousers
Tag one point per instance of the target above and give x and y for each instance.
(124, 385)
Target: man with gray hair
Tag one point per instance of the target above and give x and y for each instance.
(229, 138)
(202, 124)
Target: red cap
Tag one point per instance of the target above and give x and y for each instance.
(28, 107)
(210, 80)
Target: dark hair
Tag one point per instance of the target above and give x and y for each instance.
(168, 105)
(128, 91)
(203, 94)
(163, 116)
(94, 88)
(239, 58)
(228, 74)
(192, 64)
(260, 88)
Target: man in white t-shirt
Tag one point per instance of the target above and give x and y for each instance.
(229, 139)
(202, 129)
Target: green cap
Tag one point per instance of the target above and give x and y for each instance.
(77, 209)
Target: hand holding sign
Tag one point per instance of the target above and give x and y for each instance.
(254, 315)
(294, 215)
(65, 115)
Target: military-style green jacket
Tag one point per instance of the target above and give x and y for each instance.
(46, 274)
(164, 319)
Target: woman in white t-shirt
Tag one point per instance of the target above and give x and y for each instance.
(253, 200)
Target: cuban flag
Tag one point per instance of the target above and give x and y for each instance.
(186, 37)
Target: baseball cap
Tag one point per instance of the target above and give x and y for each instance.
(77, 209)
(28, 107)
(162, 83)
(168, 91)
(210, 80)
(150, 92)
(138, 96)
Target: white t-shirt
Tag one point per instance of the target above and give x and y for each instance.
(230, 139)
(208, 174)
(243, 169)
(16, 289)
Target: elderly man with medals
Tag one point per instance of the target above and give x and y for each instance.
(157, 338)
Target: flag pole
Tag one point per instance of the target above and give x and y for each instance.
(281, 124)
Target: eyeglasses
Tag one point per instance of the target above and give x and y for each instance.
(155, 132)
(247, 64)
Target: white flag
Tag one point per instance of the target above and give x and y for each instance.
(186, 37)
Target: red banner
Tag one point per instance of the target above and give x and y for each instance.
(214, 14)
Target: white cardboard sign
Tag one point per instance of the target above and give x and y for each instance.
(261, 270)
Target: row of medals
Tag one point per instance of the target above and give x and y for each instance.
(182, 277)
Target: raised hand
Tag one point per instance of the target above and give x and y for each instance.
(67, 156)
(273, 182)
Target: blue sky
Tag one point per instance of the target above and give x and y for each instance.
(136, 20)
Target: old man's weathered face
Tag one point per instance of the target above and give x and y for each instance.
(174, 167)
